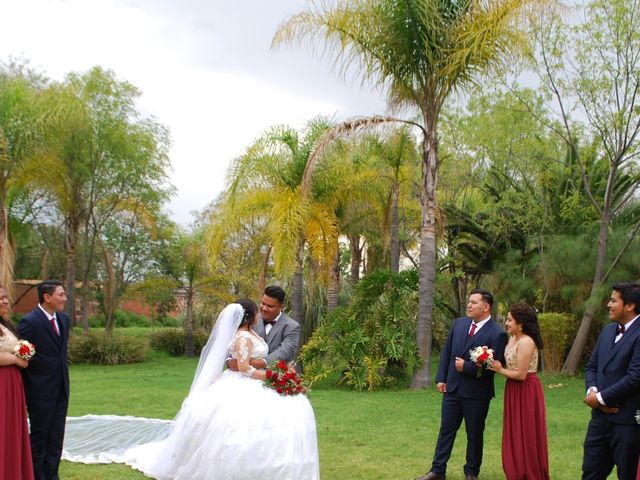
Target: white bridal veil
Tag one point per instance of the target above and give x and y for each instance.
(110, 438)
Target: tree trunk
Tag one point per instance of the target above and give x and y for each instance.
(394, 260)
(577, 348)
(262, 281)
(297, 293)
(333, 288)
(84, 305)
(7, 256)
(427, 274)
(87, 265)
(108, 290)
(188, 326)
(356, 258)
(72, 225)
(44, 265)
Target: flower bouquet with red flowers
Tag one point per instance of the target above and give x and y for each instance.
(24, 349)
(284, 379)
(482, 357)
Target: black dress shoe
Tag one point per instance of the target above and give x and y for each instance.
(470, 477)
(432, 476)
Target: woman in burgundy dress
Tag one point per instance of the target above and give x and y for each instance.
(524, 429)
(15, 449)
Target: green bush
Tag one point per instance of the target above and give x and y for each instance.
(172, 340)
(557, 330)
(167, 321)
(103, 349)
(121, 318)
(372, 341)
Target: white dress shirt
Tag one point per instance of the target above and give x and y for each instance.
(269, 326)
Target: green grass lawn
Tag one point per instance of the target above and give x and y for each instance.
(382, 435)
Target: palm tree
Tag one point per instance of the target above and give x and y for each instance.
(422, 50)
(398, 167)
(266, 182)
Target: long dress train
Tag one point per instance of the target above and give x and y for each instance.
(524, 431)
(231, 428)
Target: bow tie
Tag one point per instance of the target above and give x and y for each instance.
(266, 322)
(620, 330)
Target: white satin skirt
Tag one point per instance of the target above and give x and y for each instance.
(237, 429)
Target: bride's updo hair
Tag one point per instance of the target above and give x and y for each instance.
(250, 310)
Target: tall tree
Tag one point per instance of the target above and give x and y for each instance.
(103, 158)
(422, 50)
(22, 120)
(591, 68)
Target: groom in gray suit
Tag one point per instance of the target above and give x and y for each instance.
(282, 333)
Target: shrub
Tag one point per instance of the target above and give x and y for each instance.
(373, 339)
(167, 321)
(172, 340)
(121, 319)
(557, 330)
(103, 349)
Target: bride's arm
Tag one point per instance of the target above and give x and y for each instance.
(244, 347)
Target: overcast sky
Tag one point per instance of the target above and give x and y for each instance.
(205, 69)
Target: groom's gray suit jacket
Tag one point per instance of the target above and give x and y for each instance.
(283, 338)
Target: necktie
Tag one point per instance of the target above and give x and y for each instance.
(473, 329)
(54, 326)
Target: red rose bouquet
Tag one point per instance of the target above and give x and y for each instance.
(482, 357)
(24, 349)
(283, 379)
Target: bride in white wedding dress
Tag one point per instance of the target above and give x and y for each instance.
(230, 426)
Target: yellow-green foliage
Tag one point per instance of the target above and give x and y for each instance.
(557, 330)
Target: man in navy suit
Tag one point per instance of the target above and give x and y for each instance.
(612, 378)
(467, 388)
(46, 379)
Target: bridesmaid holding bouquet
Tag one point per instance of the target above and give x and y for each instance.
(15, 449)
(524, 430)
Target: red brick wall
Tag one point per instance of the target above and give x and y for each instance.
(25, 295)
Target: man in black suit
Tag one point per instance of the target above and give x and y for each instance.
(612, 378)
(46, 379)
(467, 388)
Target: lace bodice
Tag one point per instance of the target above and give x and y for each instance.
(8, 340)
(511, 356)
(259, 347)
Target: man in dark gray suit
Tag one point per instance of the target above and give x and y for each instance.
(280, 331)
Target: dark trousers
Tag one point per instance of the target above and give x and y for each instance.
(47, 421)
(454, 410)
(608, 444)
